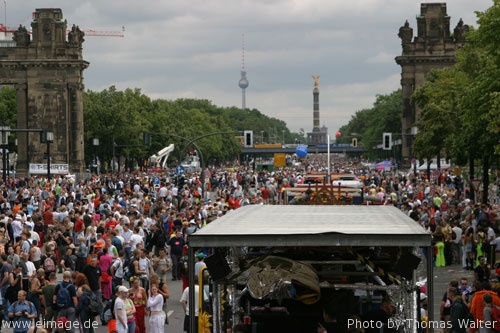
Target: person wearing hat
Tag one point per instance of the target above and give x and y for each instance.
(192, 227)
(200, 264)
(98, 248)
(17, 226)
(119, 310)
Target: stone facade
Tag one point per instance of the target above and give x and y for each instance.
(434, 47)
(47, 71)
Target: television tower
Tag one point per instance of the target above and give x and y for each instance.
(243, 83)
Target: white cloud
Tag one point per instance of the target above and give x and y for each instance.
(381, 57)
(192, 49)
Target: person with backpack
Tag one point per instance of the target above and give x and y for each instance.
(22, 312)
(145, 268)
(49, 263)
(459, 312)
(65, 299)
(116, 269)
(87, 308)
(133, 266)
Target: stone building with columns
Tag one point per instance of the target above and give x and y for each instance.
(433, 47)
(46, 68)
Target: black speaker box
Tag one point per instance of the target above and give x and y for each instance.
(406, 264)
(217, 266)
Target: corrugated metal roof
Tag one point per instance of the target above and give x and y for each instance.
(312, 226)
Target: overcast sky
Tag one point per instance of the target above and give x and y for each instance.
(193, 49)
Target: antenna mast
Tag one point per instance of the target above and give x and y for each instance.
(243, 83)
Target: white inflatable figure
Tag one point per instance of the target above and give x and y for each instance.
(161, 157)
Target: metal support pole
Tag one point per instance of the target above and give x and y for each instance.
(49, 137)
(430, 286)
(113, 158)
(48, 160)
(329, 177)
(5, 141)
(192, 287)
(4, 162)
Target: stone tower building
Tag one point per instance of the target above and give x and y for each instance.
(46, 69)
(434, 47)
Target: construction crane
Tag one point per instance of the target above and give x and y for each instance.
(91, 32)
(97, 33)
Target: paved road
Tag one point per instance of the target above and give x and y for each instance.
(442, 278)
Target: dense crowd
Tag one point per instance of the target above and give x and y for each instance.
(109, 231)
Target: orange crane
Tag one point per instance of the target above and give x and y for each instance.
(91, 32)
(97, 33)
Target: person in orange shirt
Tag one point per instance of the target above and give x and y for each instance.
(97, 201)
(16, 208)
(477, 304)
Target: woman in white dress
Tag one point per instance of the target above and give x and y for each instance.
(155, 306)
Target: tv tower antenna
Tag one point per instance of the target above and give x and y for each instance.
(243, 83)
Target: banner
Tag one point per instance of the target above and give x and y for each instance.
(279, 160)
(55, 169)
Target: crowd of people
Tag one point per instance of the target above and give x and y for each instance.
(117, 239)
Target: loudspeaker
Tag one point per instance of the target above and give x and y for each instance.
(406, 264)
(217, 266)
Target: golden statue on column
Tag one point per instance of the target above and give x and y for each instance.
(316, 80)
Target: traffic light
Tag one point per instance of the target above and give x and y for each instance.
(354, 142)
(387, 141)
(248, 135)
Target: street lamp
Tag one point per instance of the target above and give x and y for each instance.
(4, 142)
(95, 143)
(49, 138)
(283, 136)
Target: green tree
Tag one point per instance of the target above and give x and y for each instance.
(460, 105)
(480, 60)
(370, 124)
(8, 112)
(8, 106)
(439, 100)
(116, 117)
